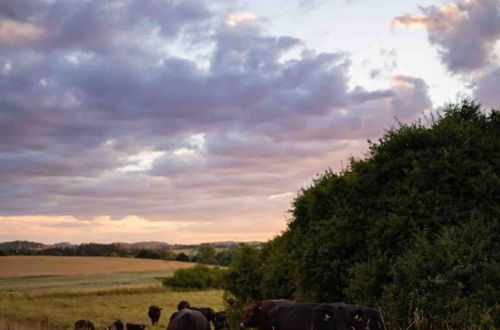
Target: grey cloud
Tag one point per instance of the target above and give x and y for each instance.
(76, 106)
(465, 31)
(487, 89)
(103, 26)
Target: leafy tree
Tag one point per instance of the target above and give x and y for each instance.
(224, 258)
(148, 254)
(244, 276)
(182, 257)
(206, 255)
(412, 228)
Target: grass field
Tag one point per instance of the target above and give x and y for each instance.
(42, 297)
(24, 266)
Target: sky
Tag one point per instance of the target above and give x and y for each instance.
(190, 121)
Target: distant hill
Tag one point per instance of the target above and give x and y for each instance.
(22, 245)
(221, 244)
(28, 245)
(62, 245)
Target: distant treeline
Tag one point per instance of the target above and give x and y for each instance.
(413, 229)
(204, 253)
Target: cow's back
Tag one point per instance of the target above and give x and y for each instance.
(291, 316)
(188, 319)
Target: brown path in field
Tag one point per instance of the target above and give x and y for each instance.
(23, 266)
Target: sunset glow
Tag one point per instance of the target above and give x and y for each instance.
(195, 121)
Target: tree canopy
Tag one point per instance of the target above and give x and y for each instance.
(411, 228)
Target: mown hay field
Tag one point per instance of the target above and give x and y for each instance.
(23, 266)
(50, 300)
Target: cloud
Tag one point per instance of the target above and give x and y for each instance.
(487, 88)
(110, 113)
(239, 18)
(465, 31)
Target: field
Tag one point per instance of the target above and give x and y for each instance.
(53, 292)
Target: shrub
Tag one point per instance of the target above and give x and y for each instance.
(197, 277)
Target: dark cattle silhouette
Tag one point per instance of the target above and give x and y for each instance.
(256, 315)
(206, 311)
(84, 325)
(220, 321)
(154, 314)
(188, 319)
(134, 326)
(327, 317)
(300, 316)
(290, 315)
(363, 317)
(117, 325)
(183, 304)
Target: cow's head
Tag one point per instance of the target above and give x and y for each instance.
(251, 316)
(220, 321)
(183, 304)
(154, 308)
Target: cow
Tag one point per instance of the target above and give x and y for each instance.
(134, 326)
(117, 325)
(220, 321)
(188, 319)
(182, 304)
(84, 325)
(206, 311)
(154, 314)
(300, 316)
(327, 317)
(365, 318)
(256, 315)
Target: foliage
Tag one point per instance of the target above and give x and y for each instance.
(244, 276)
(242, 283)
(182, 257)
(206, 255)
(198, 277)
(413, 228)
(224, 258)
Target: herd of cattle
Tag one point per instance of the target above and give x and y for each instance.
(265, 315)
(187, 317)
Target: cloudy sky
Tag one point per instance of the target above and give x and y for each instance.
(193, 121)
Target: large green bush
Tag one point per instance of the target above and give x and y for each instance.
(413, 228)
(197, 277)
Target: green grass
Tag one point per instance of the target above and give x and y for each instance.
(56, 302)
(35, 284)
(102, 307)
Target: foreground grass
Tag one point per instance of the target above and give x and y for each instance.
(61, 309)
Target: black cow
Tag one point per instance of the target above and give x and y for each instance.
(363, 318)
(220, 321)
(188, 319)
(134, 326)
(84, 325)
(256, 315)
(327, 317)
(300, 316)
(117, 325)
(206, 311)
(154, 314)
(183, 304)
